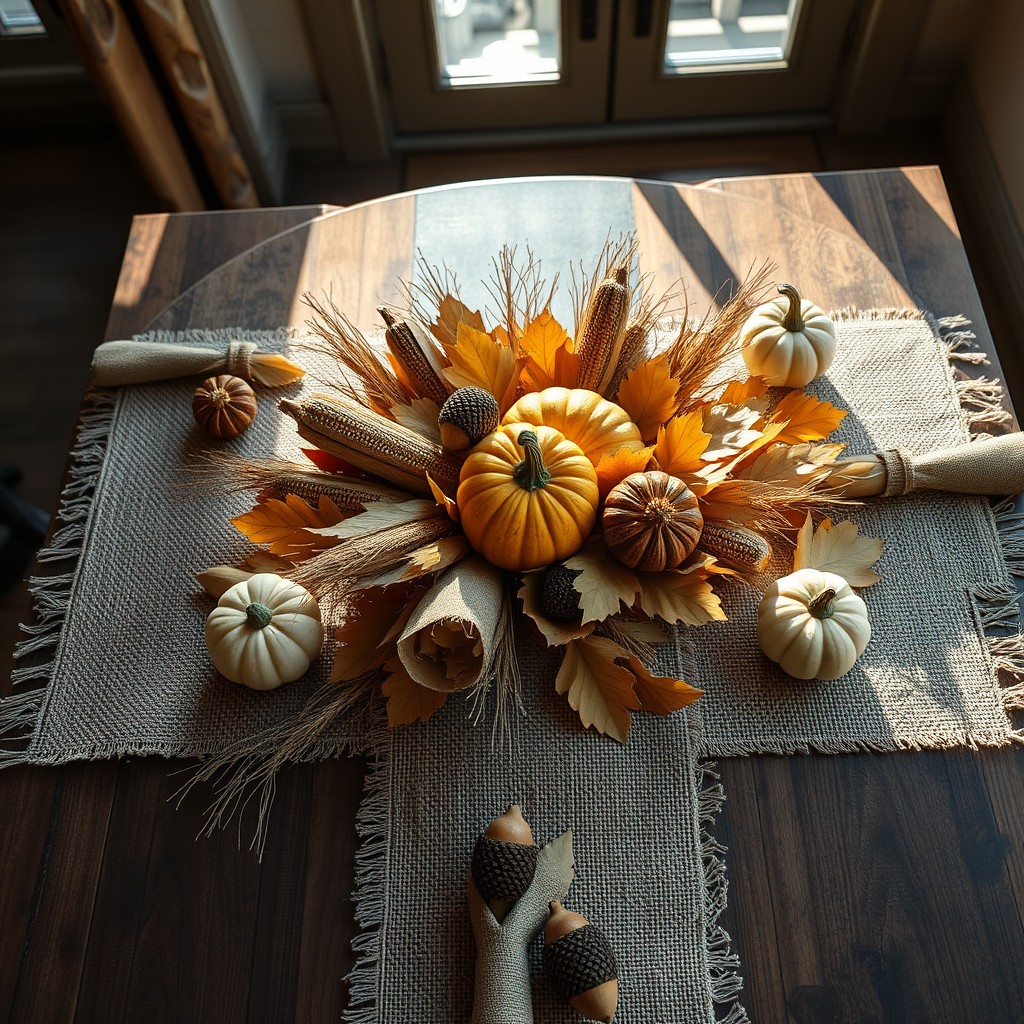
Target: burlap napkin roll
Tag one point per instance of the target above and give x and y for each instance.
(117, 363)
(502, 988)
(449, 640)
(994, 465)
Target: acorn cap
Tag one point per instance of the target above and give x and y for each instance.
(559, 599)
(467, 415)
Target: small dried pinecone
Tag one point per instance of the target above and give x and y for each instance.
(559, 599)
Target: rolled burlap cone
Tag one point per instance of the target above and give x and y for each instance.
(449, 640)
(117, 363)
(993, 466)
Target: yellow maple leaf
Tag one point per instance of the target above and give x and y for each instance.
(408, 702)
(603, 582)
(681, 443)
(838, 548)
(450, 313)
(648, 395)
(612, 469)
(661, 695)
(541, 341)
(362, 638)
(807, 418)
(479, 361)
(679, 597)
(600, 691)
(281, 525)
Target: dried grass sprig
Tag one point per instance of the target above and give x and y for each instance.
(502, 678)
(518, 291)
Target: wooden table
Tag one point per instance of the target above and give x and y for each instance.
(863, 887)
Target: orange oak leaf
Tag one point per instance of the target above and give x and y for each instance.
(681, 443)
(613, 469)
(807, 418)
(599, 689)
(362, 638)
(450, 313)
(408, 702)
(282, 525)
(541, 341)
(479, 361)
(648, 395)
(661, 695)
(740, 392)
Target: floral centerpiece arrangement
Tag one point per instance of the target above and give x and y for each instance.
(602, 481)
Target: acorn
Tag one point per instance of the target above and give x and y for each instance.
(504, 861)
(559, 599)
(468, 415)
(580, 963)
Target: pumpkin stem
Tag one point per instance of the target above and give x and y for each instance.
(823, 606)
(793, 320)
(258, 615)
(531, 474)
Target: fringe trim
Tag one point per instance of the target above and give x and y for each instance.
(372, 863)
(723, 964)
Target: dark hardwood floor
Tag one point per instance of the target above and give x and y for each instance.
(68, 193)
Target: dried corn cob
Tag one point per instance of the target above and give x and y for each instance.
(735, 547)
(599, 337)
(416, 352)
(631, 355)
(350, 494)
(372, 443)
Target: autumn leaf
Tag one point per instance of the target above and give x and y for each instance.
(430, 558)
(681, 443)
(661, 695)
(479, 361)
(408, 702)
(794, 465)
(734, 502)
(603, 582)
(379, 515)
(567, 367)
(807, 418)
(612, 469)
(557, 634)
(420, 416)
(330, 463)
(448, 504)
(541, 341)
(362, 638)
(263, 561)
(452, 312)
(283, 525)
(741, 392)
(679, 597)
(648, 395)
(732, 430)
(219, 579)
(838, 548)
(599, 690)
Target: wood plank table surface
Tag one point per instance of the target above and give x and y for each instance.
(866, 887)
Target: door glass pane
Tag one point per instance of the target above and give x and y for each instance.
(486, 42)
(706, 34)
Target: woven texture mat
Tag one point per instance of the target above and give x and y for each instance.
(646, 871)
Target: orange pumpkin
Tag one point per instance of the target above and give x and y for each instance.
(527, 497)
(583, 417)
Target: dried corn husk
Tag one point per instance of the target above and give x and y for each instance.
(117, 363)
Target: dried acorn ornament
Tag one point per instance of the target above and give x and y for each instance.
(468, 415)
(580, 963)
(224, 406)
(504, 861)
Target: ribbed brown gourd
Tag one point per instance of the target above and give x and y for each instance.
(581, 964)
(467, 415)
(504, 861)
(735, 547)
(602, 330)
(224, 406)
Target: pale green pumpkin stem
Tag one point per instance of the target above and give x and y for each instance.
(531, 474)
(258, 615)
(823, 606)
(793, 321)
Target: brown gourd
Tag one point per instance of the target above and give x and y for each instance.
(580, 963)
(504, 861)
(224, 406)
(651, 521)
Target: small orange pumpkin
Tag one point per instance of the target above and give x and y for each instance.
(583, 417)
(527, 497)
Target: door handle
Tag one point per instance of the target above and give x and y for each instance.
(588, 20)
(644, 18)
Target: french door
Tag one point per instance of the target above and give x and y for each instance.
(456, 65)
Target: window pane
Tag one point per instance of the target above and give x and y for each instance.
(18, 17)
(486, 42)
(705, 34)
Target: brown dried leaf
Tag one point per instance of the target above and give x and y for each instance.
(419, 415)
(408, 702)
(284, 525)
(604, 583)
(661, 695)
(599, 690)
(448, 504)
(679, 597)
(363, 637)
(219, 579)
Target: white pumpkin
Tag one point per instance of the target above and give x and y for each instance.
(264, 632)
(789, 341)
(813, 625)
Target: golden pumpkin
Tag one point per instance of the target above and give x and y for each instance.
(584, 417)
(527, 497)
